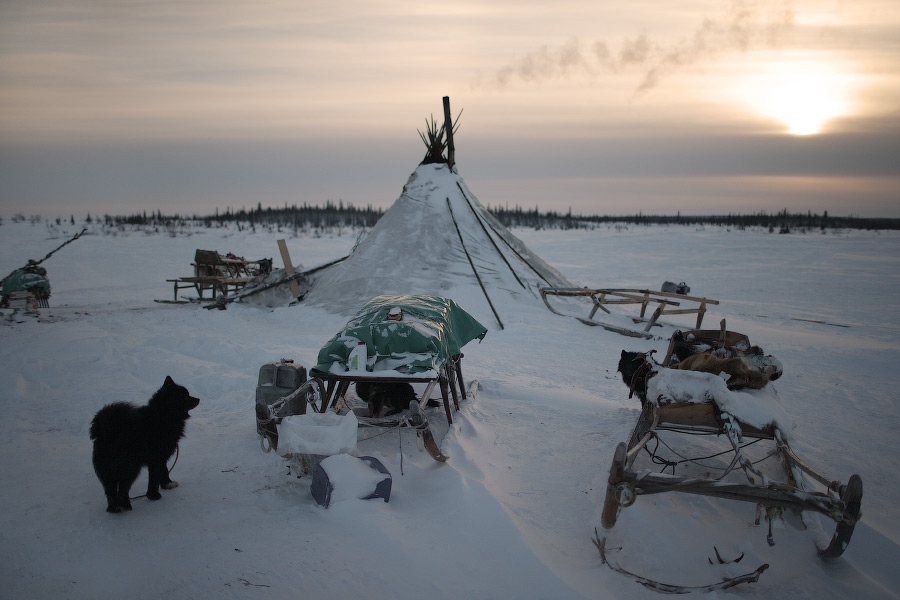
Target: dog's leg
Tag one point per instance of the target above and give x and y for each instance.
(113, 503)
(116, 483)
(125, 480)
(110, 488)
(158, 475)
(165, 482)
(124, 496)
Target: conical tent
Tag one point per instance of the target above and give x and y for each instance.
(436, 239)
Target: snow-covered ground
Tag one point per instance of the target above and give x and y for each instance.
(512, 512)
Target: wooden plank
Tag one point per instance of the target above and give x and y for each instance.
(686, 413)
(288, 268)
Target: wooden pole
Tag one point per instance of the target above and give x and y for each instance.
(448, 128)
(288, 267)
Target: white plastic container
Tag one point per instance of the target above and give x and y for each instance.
(317, 434)
(358, 357)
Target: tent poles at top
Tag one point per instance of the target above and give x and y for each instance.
(472, 264)
(448, 129)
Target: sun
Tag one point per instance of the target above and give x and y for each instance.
(803, 95)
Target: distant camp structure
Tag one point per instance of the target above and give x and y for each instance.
(437, 239)
(28, 287)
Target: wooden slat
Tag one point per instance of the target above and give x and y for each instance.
(288, 267)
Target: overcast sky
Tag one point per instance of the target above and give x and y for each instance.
(696, 106)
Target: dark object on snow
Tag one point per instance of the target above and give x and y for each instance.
(128, 438)
(676, 288)
(278, 379)
(385, 399)
(28, 283)
(32, 278)
(635, 368)
(322, 485)
(282, 390)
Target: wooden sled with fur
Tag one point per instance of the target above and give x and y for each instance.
(743, 438)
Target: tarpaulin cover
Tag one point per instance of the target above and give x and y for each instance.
(431, 330)
(23, 281)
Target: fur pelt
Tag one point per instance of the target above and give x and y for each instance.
(740, 373)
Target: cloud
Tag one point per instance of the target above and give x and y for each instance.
(747, 25)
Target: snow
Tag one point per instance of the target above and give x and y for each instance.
(759, 408)
(512, 512)
(351, 478)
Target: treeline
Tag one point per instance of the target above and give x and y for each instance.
(783, 221)
(340, 215)
(295, 217)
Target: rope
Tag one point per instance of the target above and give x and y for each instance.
(684, 459)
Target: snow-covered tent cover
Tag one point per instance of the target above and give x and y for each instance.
(403, 334)
(436, 236)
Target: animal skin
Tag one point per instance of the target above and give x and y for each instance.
(740, 373)
(127, 438)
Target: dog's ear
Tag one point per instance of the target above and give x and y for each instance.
(624, 354)
(169, 381)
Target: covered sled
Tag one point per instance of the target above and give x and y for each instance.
(716, 385)
(392, 344)
(29, 285)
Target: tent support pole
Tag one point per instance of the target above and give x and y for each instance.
(496, 247)
(472, 264)
(505, 241)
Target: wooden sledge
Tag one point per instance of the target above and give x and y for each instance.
(449, 379)
(404, 339)
(663, 303)
(798, 487)
(330, 393)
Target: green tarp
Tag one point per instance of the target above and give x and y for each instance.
(23, 281)
(431, 330)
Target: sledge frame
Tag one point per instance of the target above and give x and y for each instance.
(666, 303)
(218, 274)
(837, 501)
(449, 379)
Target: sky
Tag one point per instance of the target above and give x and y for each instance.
(598, 107)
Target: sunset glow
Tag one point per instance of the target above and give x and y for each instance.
(598, 107)
(802, 95)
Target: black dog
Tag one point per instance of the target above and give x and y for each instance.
(636, 368)
(388, 397)
(127, 438)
